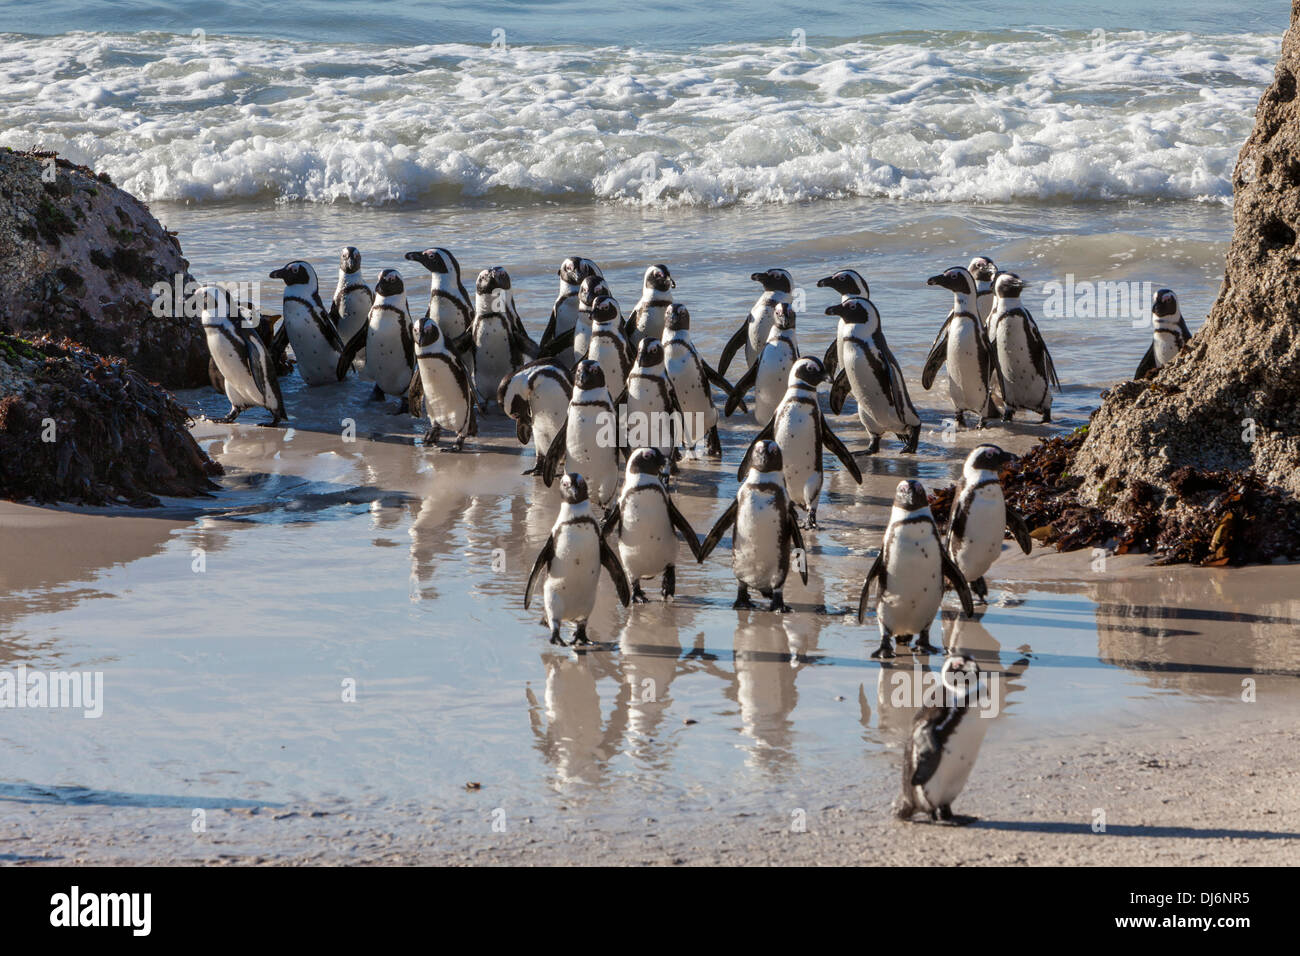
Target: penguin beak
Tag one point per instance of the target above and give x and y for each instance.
(939, 280)
(414, 257)
(277, 274)
(824, 282)
(1008, 458)
(758, 276)
(836, 309)
(672, 282)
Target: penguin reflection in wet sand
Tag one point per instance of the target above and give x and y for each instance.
(1026, 372)
(979, 517)
(1169, 333)
(770, 373)
(647, 318)
(568, 566)
(911, 568)
(644, 520)
(872, 373)
(315, 339)
(940, 752)
(588, 439)
(443, 386)
(778, 288)
(449, 302)
(537, 398)
(802, 433)
(241, 356)
(352, 296)
(766, 531)
(691, 377)
(963, 344)
(388, 340)
(500, 344)
(559, 337)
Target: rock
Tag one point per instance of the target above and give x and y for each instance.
(79, 428)
(1230, 401)
(79, 258)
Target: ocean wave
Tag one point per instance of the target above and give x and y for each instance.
(922, 116)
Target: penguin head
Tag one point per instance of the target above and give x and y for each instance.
(389, 283)
(575, 268)
(982, 268)
(437, 260)
(807, 371)
(217, 307)
(573, 488)
(588, 375)
(677, 318)
(1008, 285)
(296, 273)
(646, 461)
(604, 309)
(765, 458)
(775, 280)
(658, 278)
(988, 458)
(350, 260)
(956, 280)
(428, 333)
(845, 282)
(1164, 303)
(783, 316)
(489, 280)
(649, 353)
(593, 287)
(853, 310)
(911, 496)
(960, 674)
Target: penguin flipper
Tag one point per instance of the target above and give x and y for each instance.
(552, 458)
(796, 539)
(1019, 530)
(743, 385)
(1184, 332)
(684, 529)
(615, 568)
(957, 580)
(613, 520)
(734, 345)
(279, 343)
(840, 389)
(927, 752)
(549, 332)
(877, 570)
(767, 434)
(540, 566)
(415, 395)
(1148, 362)
(1038, 352)
(408, 343)
(713, 377)
(838, 449)
(325, 323)
(556, 344)
(831, 361)
(938, 355)
(719, 529)
(349, 351)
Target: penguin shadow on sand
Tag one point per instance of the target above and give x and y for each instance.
(569, 729)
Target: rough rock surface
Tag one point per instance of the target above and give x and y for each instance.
(1243, 366)
(79, 258)
(80, 428)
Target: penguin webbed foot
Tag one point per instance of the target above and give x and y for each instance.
(580, 638)
(778, 603)
(980, 589)
(912, 439)
(556, 639)
(923, 645)
(638, 595)
(874, 446)
(229, 417)
(742, 599)
(669, 587)
(884, 652)
(945, 817)
(713, 443)
(1047, 417)
(376, 395)
(1008, 414)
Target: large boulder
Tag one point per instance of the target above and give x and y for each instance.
(80, 258)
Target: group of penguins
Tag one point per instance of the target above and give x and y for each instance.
(567, 391)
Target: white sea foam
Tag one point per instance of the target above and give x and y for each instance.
(1038, 115)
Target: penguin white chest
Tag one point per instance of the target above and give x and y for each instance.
(646, 544)
(450, 319)
(795, 432)
(592, 449)
(959, 753)
(386, 359)
(1024, 386)
(966, 378)
(570, 590)
(981, 538)
(549, 406)
(761, 317)
(758, 539)
(773, 374)
(1166, 347)
(605, 352)
(317, 360)
(491, 352)
(241, 388)
(867, 373)
(444, 401)
(914, 586)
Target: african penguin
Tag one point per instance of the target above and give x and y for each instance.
(608, 346)
(588, 439)
(592, 288)
(241, 356)
(353, 297)
(963, 345)
(1026, 372)
(848, 283)
(691, 378)
(984, 272)
(559, 338)
(647, 318)
(449, 302)
(766, 531)
(444, 386)
(802, 433)
(770, 372)
(873, 375)
(778, 288)
(644, 520)
(315, 340)
(912, 565)
(1169, 333)
(388, 340)
(568, 566)
(980, 516)
(941, 749)
(537, 398)
(652, 408)
(500, 344)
